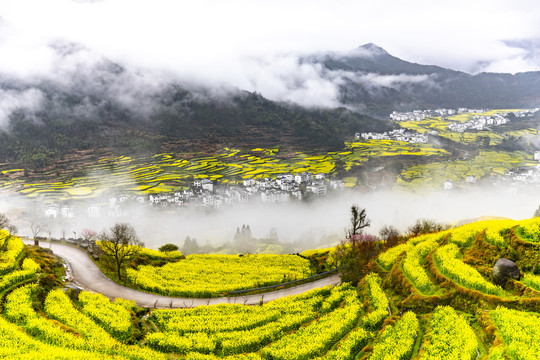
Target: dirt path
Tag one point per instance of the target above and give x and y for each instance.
(84, 273)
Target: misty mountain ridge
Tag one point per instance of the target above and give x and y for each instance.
(375, 82)
(371, 58)
(89, 102)
(109, 109)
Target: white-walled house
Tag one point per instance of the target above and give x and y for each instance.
(207, 184)
(94, 211)
(448, 185)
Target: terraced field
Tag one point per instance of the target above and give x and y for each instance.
(169, 172)
(485, 165)
(440, 126)
(204, 276)
(429, 298)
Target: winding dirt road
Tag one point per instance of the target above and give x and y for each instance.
(85, 274)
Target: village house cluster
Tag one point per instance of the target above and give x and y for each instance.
(496, 119)
(207, 193)
(398, 135)
(419, 115)
(480, 122)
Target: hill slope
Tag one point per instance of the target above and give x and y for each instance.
(99, 113)
(379, 83)
(428, 298)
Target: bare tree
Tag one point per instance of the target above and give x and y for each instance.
(390, 235)
(425, 226)
(36, 227)
(355, 253)
(6, 224)
(12, 229)
(4, 221)
(121, 244)
(359, 221)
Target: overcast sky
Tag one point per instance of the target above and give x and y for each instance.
(254, 45)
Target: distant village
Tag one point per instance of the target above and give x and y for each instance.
(419, 115)
(283, 188)
(397, 135)
(209, 194)
(478, 122)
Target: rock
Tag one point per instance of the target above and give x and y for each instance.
(503, 270)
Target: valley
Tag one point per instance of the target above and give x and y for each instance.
(415, 293)
(269, 180)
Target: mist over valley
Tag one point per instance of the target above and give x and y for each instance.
(93, 133)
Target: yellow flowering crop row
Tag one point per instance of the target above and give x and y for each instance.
(532, 281)
(115, 319)
(446, 259)
(316, 338)
(30, 265)
(520, 331)
(376, 295)
(464, 235)
(156, 254)
(451, 337)
(234, 322)
(494, 229)
(412, 265)
(388, 258)
(126, 304)
(425, 237)
(16, 344)
(162, 316)
(15, 277)
(339, 293)
(215, 275)
(172, 343)
(378, 300)
(57, 343)
(397, 341)
(294, 310)
(236, 342)
(13, 248)
(58, 306)
(530, 229)
(348, 347)
(199, 356)
(18, 309)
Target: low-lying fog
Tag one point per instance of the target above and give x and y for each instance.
(324, 218)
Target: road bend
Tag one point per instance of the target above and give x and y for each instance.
(85, 274)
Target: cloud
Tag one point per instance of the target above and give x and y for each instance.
(80, 83)
(10, 100)
(255, 45)
(294, 221)
(286, 78)
(400, 82)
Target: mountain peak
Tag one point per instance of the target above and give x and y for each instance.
(373, 49)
